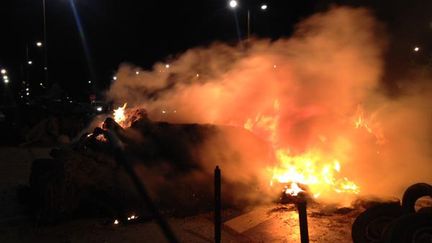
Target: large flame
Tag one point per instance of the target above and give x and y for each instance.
(321, 172)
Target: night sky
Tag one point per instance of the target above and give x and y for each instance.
(144, 32)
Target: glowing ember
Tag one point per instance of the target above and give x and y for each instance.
(132, 217)
(293, 190)
(101, 138)
(119, 115)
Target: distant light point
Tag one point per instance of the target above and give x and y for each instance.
(264, 7)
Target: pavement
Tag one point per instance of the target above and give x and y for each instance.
(266, 223)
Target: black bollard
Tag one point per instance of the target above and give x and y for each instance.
(217, 209)
(302, 211)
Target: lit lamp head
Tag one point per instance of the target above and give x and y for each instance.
(233, 4)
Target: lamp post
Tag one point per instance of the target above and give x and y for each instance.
(233, 4)
(39, 44)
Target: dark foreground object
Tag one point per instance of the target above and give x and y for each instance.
(303, 223)
(392, 222)
(218, 205)
(173, 160)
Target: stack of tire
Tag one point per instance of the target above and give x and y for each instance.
(393, 222)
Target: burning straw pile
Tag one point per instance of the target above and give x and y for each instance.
(87, 179)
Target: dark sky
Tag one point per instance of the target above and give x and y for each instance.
(146, 31)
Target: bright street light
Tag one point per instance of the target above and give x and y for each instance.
(416, 49)
(39, 44)
(89, 82)
(115, 78)
(3, 71)
(264, 7)
(233, 3)
(30, 62)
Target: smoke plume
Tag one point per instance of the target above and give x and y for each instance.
(319, 90)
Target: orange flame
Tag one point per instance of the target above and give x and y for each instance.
(313, 170)
(361, 121)
(119, 115)
(320, 172)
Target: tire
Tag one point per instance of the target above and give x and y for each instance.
(412, 228)
(412, 194)
(370, 225)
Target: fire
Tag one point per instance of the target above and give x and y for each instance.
(119, 115)
(293, 189)
(311, 169)
(368, 123)
(262, 125)
(319, 171)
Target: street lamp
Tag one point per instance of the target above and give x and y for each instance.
(233, 3)
(3, 71)
(39, 44)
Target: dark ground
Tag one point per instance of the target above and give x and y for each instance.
(275, 223)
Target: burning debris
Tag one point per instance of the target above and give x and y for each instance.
(316, 98)
(87, 178)
(302, 120)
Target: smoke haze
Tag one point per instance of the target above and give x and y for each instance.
(303, 93)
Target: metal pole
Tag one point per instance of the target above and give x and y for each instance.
(248, 24)
(217, 212)
(142, 190)
(45, 44)
(301, 207)
(26, 67)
